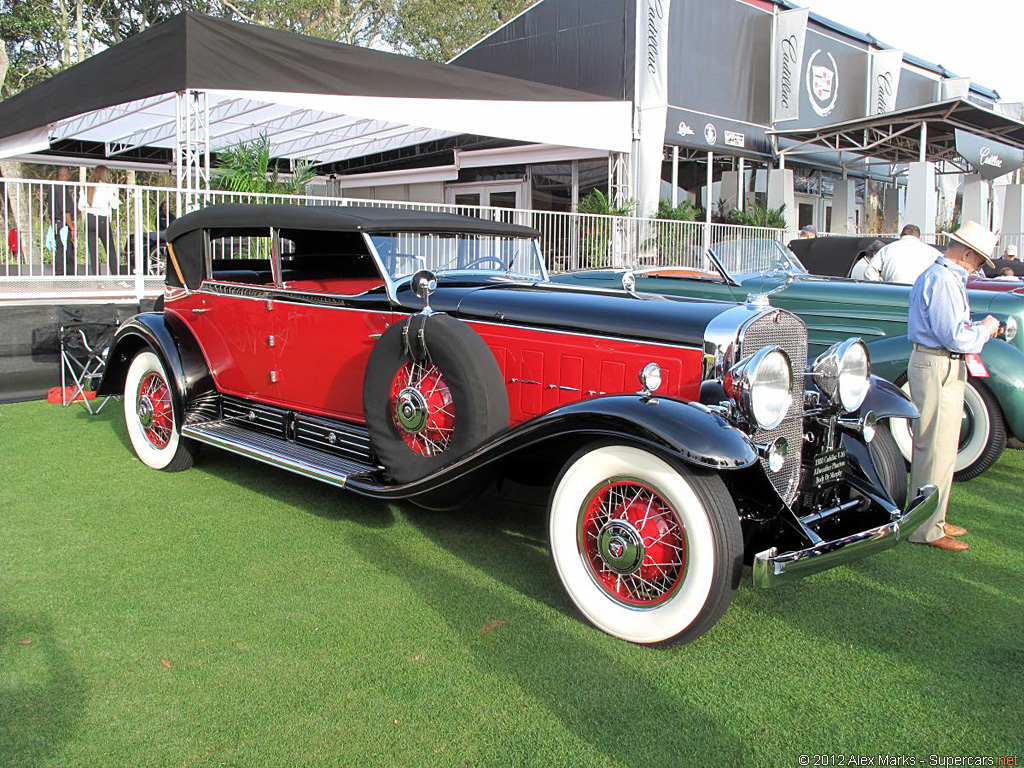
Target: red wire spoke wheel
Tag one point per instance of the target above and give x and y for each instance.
(633, 542)
(149, 416)
(649, 550)
(423, 408)
(429, 406)
(154, 409)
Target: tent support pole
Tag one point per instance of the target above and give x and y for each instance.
(707, 201)
(675, 176)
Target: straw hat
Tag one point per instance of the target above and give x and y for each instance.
(978, 239)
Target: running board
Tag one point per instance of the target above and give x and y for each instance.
(277, 452)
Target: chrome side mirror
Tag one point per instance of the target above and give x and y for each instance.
(423, 284)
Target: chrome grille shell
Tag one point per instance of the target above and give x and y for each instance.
(783, 329)
(740, 332)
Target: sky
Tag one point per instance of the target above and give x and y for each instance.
(980, 39)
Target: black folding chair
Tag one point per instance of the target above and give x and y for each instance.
(83, 357)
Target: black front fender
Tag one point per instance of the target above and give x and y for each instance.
(172, 341)
(687, 432)
(888, 401)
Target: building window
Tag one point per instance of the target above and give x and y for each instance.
(552, 187)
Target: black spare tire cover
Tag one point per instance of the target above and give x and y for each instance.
(431, 394)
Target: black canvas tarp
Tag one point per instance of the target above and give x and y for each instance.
(192, 51)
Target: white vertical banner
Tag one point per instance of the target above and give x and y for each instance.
(790, 32)
(885, 81)
(651, 100)
(955, 88)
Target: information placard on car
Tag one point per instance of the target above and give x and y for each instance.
(828, 467)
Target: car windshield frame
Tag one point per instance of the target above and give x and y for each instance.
(783, 260)
(460, 251)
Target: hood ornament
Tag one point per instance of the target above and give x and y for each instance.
(762, 300)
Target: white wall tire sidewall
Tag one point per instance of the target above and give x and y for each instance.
(651, 625)
(975, 447)
(978, 441)
(149, 454)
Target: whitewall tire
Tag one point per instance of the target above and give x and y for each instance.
(149, 416)
(984, 431)
(648, 552)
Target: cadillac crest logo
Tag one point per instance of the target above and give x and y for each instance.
(822, 82)
(710, 134)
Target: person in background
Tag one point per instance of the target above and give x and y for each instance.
(1006, 273)
(63, 211)
(164, 217)
(864, 268)
(905, 260)
(1008, 261)
(98, 202)
(940, 327)
(808, 233)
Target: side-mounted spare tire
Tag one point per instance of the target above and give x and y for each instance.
(432, 392)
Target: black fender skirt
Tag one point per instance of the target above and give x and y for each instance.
(676, 430)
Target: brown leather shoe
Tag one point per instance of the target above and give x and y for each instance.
(946, 543)
(953, 530)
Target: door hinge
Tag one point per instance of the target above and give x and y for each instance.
(273, 377)
(270, 341)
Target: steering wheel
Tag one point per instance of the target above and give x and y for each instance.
(484, 260)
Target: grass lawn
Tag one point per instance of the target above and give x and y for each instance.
(238, 615)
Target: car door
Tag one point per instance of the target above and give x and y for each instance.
(232, 318)
(331, 310)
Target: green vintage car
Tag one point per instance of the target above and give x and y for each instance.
(836, 308)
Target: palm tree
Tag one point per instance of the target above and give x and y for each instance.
(245, 167)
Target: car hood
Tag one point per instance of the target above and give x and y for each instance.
(593, 311)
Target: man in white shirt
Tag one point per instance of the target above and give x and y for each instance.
(905, 260)
(864, 268)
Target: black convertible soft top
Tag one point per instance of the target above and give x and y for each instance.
(338, 219)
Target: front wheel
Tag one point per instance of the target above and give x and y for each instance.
(648, 552)
(890, 465)
(982, 431)
(149, 416)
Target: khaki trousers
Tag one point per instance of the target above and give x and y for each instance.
(937, 389)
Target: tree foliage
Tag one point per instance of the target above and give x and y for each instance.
(441, 29)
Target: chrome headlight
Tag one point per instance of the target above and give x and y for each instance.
(843, 372)
(761, 386)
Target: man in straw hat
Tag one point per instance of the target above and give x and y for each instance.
(942, 332)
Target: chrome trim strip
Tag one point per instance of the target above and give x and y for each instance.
(771, 568)
(583, 334)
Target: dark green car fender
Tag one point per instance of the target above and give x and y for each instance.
(1005, 363)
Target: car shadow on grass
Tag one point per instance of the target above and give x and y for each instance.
(579, 676)
(41, 696)
(285, 487)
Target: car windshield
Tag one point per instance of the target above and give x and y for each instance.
(742, 259)
(405, 253)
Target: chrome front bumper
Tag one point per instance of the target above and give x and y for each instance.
(772, 568)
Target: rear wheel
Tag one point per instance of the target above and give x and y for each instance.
(149, 416)
(982, 431)
(648, 552)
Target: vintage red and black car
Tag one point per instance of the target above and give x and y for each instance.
(411, 355)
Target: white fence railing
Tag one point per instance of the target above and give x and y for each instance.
(71, 241)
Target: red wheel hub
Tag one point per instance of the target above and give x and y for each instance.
(422, 407)
(633, 543)
(154, 409)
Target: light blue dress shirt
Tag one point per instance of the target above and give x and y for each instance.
(940, 317)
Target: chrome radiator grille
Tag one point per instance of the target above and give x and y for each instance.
(787, 331)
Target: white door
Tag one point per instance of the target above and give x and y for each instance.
(501, 196)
